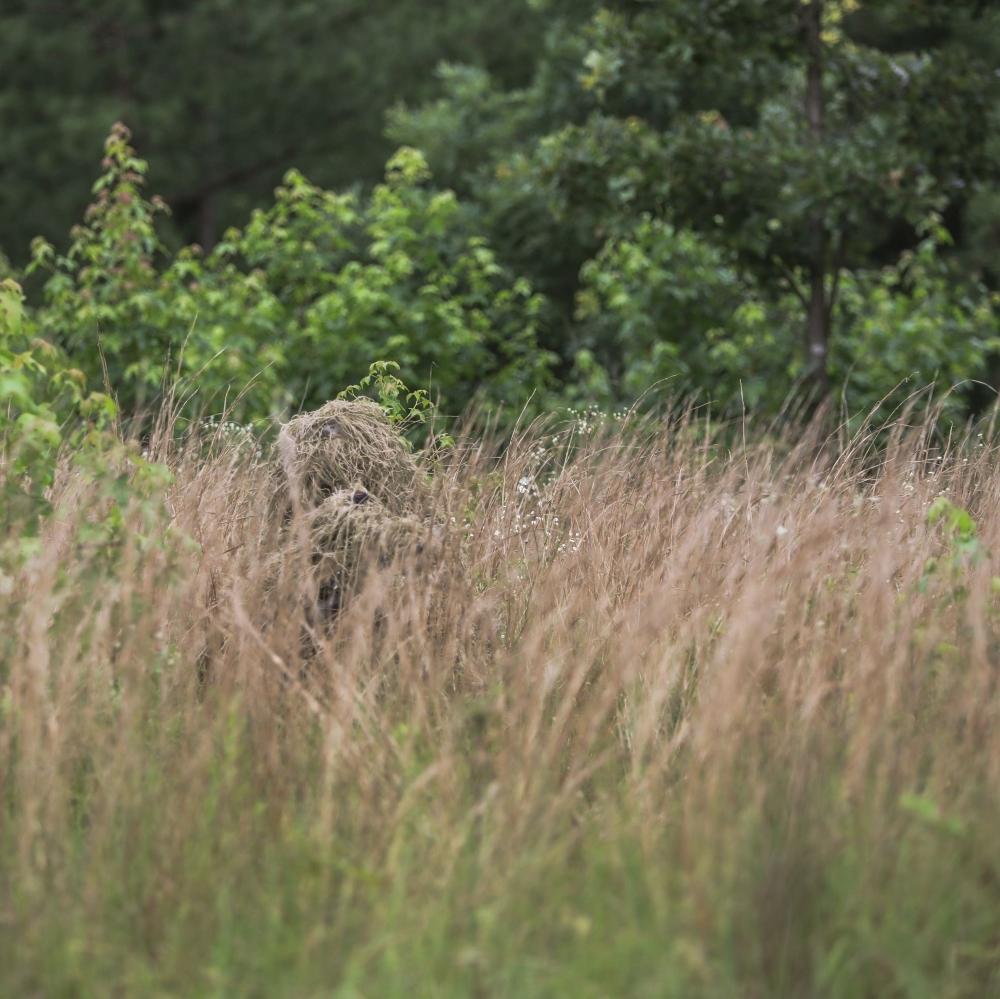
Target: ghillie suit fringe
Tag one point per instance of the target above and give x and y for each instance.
(349, 532)
(348, 488)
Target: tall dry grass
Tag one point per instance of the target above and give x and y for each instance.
(656, 715)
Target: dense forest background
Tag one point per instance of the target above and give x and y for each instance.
(548, 200)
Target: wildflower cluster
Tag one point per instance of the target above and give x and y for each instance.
(533, 511)
(239, 436)
(587, 420)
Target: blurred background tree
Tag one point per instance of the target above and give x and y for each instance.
(741, 198)
(804, 138)
(222, 96)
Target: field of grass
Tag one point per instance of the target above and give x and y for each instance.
(653, 715)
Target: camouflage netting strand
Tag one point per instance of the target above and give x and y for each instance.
(343, 443)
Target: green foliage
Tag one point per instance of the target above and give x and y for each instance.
(43, 406)
(647, 204)
(666, 304)
(403, 405)
(52, 427)
(294, 306)
(927, 811)
(651, 305)
(965, 549)
(466, 125)
(958, 525)
(417, 284)
(692, 115)
(912, 325)
(102, 297)
(224, 96)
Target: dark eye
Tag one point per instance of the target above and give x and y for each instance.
(360, 496)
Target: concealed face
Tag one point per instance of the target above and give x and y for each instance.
(357, 496)
(350, 532)
(346, 521)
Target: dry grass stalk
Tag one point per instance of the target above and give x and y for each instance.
(728, 665)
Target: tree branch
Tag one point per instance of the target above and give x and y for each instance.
(838, 266)
(789, 276)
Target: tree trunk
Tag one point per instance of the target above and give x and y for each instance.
(817, 330)
(819, 313)
(208, 223)
(815, 106)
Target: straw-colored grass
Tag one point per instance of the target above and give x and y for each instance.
(655, 716)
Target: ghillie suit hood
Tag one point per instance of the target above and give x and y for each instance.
(344, 443)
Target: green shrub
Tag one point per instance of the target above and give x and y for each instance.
(296, 305)
(649, 306)
(913, 324)
(664, 304)
(44, 405)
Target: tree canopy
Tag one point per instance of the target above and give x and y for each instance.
(222, 97)
(742, 199)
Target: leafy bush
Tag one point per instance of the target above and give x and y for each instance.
(43, 406)
(663, 303)
(404, 277)
(649, 305)
(297, 304)
(911, 325)
(103, 298)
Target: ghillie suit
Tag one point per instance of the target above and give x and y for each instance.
(350, 494)
(349, 532)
